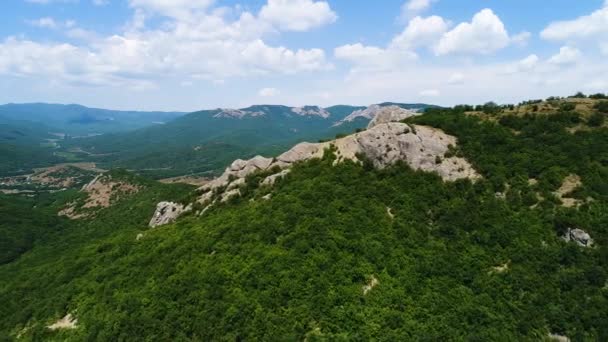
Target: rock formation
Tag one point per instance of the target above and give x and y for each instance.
(384, 143)
(101, 192)
(390, 114)
(372, 112)
(373, 282)
(167, 212)
(579, 236)
(67, 322)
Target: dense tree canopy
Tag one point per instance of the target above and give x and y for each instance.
(453, 261)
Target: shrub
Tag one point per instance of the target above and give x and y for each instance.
(601, 106)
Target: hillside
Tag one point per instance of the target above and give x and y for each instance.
(207, 141)
(77, 120)
(376, 245)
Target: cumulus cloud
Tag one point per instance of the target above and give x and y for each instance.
(528, 63)
(268, 92)
(412, 7)
(584, 27)
(172, 8)
(196, 40)
(297, 15)
(484, 34)
(45, 22)
(421, 31)
(566, 55)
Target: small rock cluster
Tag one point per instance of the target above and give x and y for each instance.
(579, 236)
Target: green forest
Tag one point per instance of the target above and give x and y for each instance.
(341, 252)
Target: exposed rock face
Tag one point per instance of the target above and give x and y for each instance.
(373, 111)
(423, 148)
(367, 113)
(270, 180)
(558, 338)
(373, 282)
(103, 188)
(167, 212)
(391, 114)
(579, 236)
(384, 143)
(237, 113)
(67, 322)
(101, 192)
(311, 111)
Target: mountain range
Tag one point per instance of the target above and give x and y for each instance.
(163, 144)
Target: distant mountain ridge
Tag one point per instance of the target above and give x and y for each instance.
(208, 140)
(75, 119)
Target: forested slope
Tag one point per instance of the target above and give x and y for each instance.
(347, 251)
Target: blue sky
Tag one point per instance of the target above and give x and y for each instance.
(193, 54)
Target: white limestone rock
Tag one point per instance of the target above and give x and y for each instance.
(391, 114)
(167, 212)
(270, 180)
(579, 236)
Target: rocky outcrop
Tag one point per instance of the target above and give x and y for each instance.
(391, 114)
(101, 192)
(423, 148)
(373, 282)
(167, 212)
(270, 180)
(371, 112)
(579, 236)
(384, 143)
(311, 111)
(67, 322)
(237, 113)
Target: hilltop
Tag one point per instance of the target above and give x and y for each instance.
(342, 247)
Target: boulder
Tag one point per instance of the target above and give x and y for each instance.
(579, 236)
(167, 212)
(270, 180)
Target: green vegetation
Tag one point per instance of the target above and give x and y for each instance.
(207, 141)
(453, 261)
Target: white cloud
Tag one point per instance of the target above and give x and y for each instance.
(45, 22)
(456, 78)
(430, 93)
(528, 63)
(50, 23)
(297, 15)
(269, 92)
(566, 55)
(369, 58)
(172, 8)
(412, 7)
(101, 2)
(590, 26)
(521, 38)
(421, 31)
(195, 41)
(484, 34)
